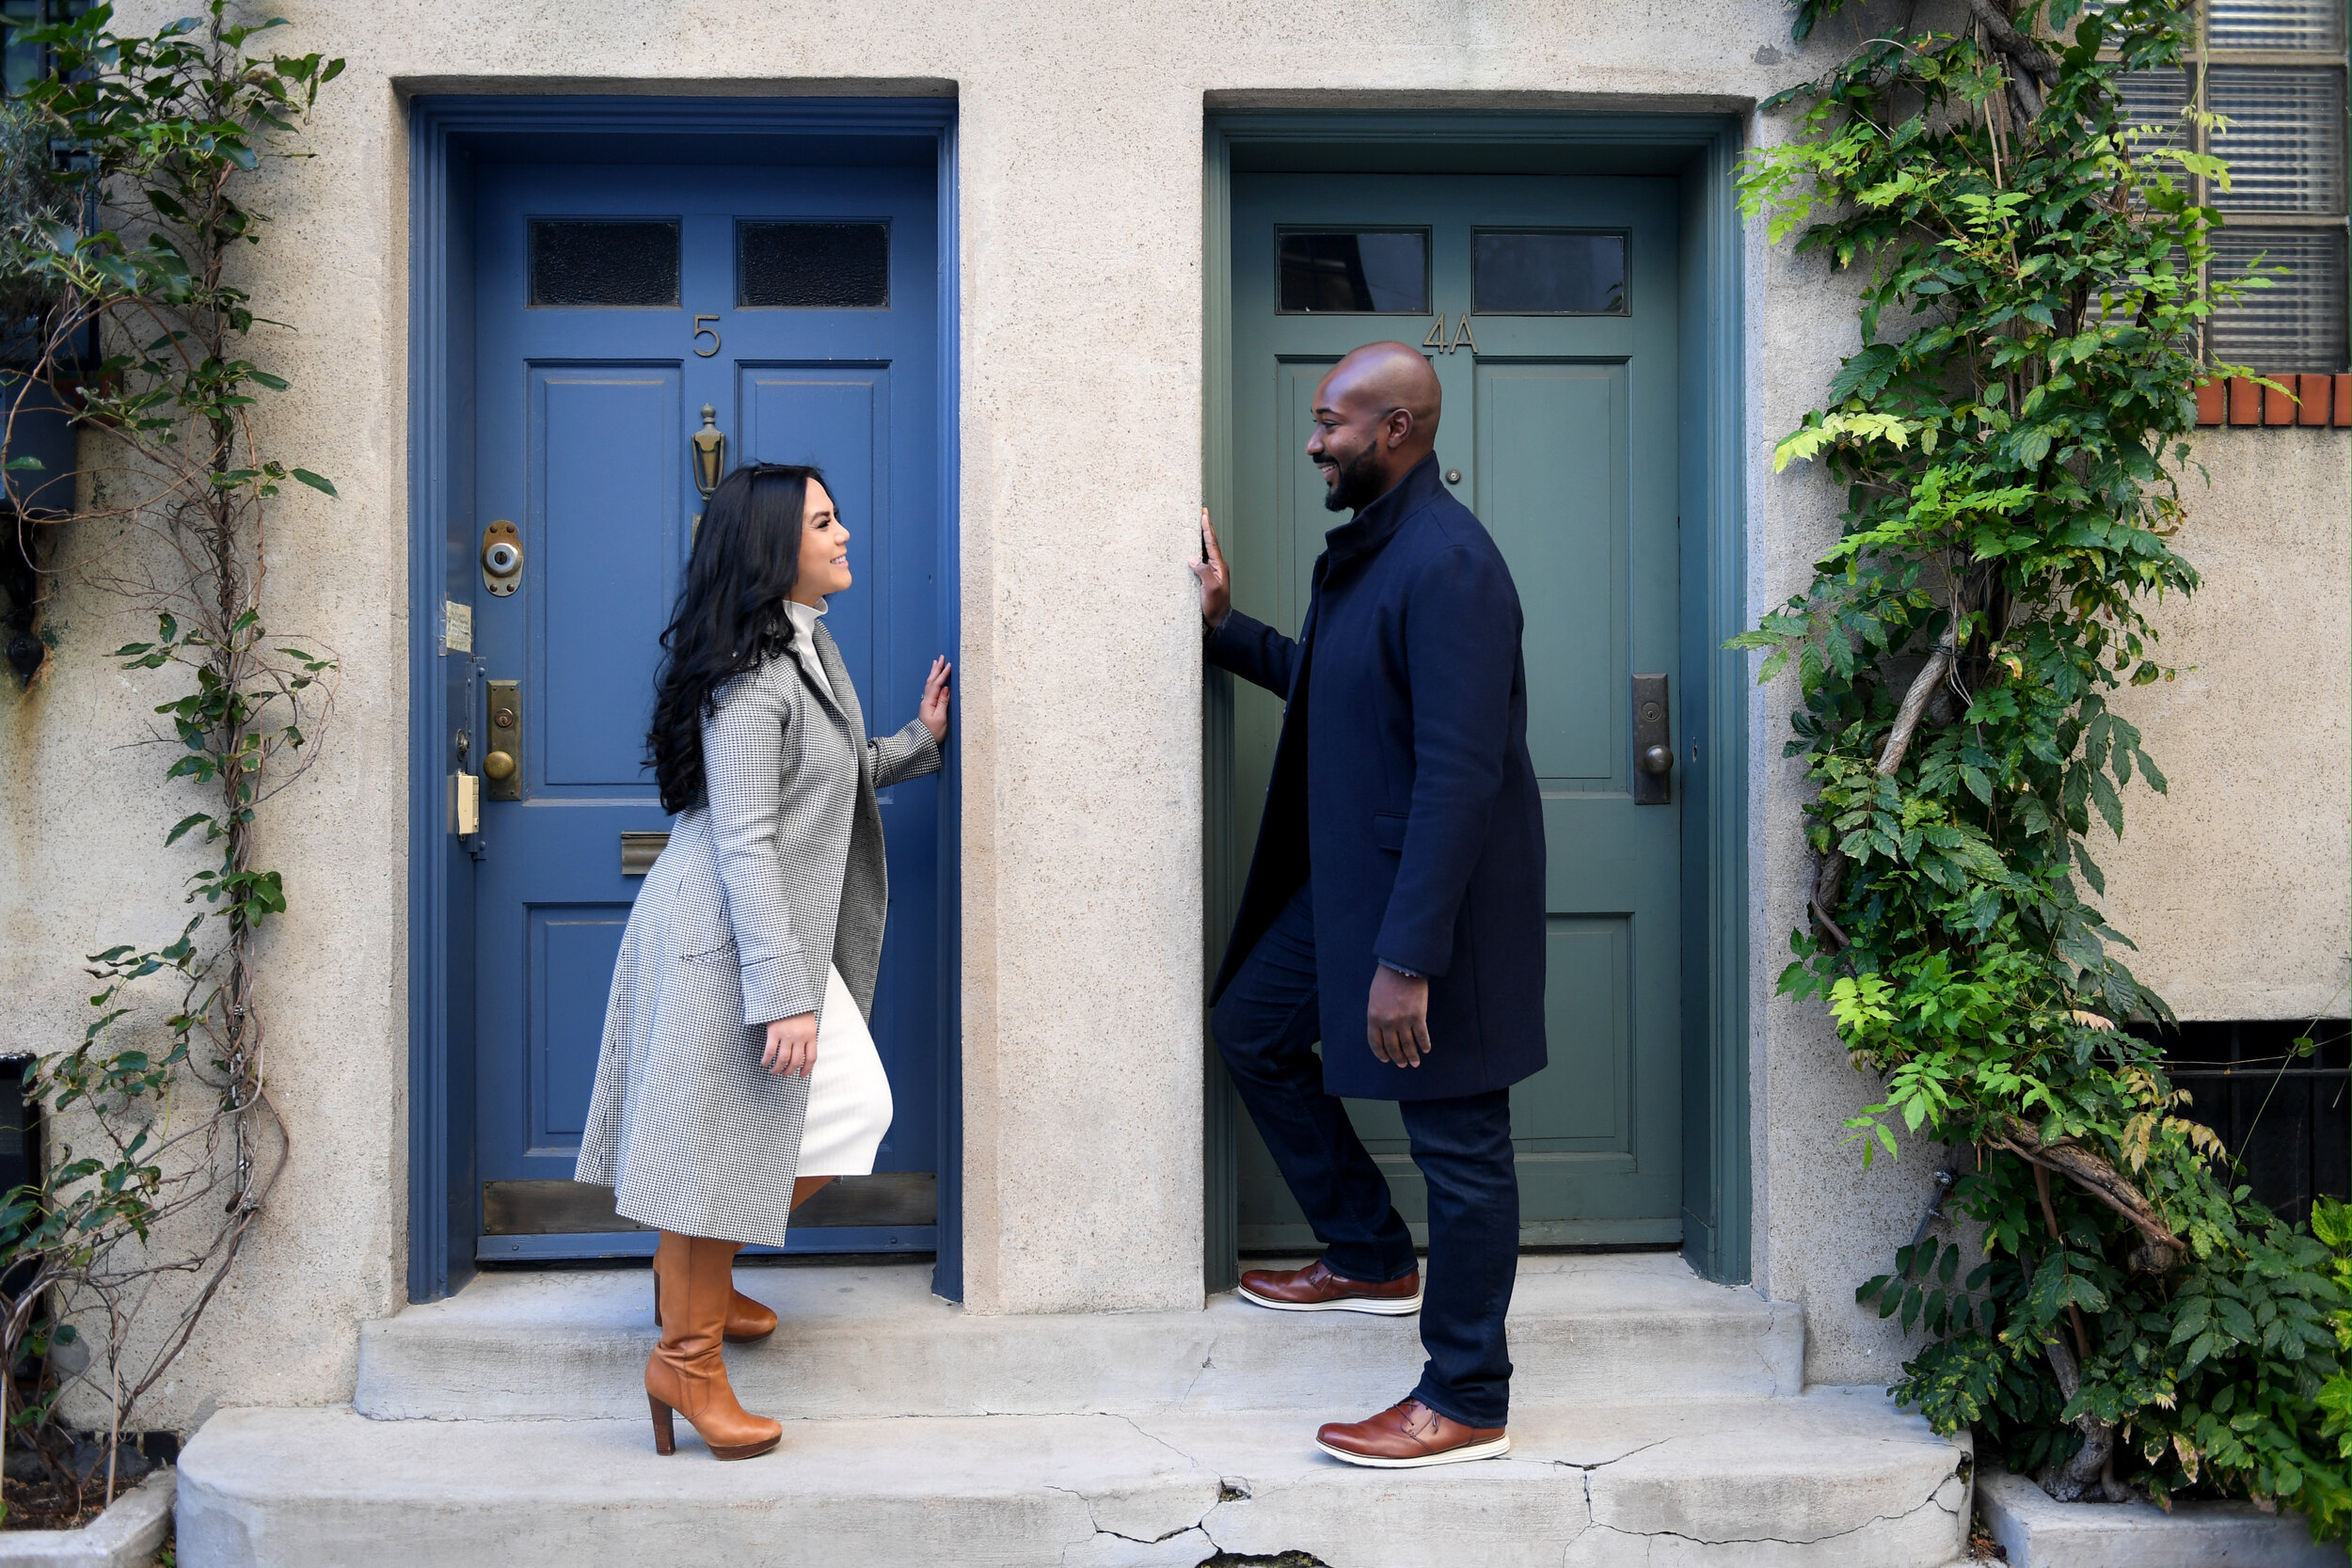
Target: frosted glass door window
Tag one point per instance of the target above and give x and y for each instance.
(2154, 101)
(2272, 76)
(2313, 24)
(2284, 139)
(2298, 321)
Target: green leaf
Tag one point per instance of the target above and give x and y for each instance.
(316, 482)
(2111, 805)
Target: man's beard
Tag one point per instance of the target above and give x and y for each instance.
(1357, 484)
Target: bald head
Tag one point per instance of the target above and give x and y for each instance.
(1388, 376)
(1376, 417)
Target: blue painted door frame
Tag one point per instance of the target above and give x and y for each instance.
(450, 138)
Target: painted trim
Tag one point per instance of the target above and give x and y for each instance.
(442, 132)
(1220, 1109)
(947, 1264)
(1702, 148)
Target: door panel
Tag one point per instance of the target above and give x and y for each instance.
(1587, 981)
(1552, 491)
(584, 410)
(1562, 430)
(571, 967)
(835, 420)
(605, 520)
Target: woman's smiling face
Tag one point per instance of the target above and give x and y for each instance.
(824, 548)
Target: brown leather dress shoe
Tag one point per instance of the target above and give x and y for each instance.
(1406, 1437)
(1316, 1288)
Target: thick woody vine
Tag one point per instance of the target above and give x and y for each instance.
(163, 1142)
(2034, 275)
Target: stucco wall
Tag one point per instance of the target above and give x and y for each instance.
(1081, 276)
(2233, 883)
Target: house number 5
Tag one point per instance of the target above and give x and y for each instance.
(701, 332)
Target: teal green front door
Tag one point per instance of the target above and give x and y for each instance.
(1548, 306)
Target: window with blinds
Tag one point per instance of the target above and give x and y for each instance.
(2275, 72)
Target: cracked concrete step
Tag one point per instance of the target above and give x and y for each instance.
(871, 1340)
(1837, 1478)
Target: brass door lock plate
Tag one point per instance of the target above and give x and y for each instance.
(503, 763)
(502, 560)
(1653, 742)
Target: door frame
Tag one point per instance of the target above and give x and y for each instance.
(447, 135)
(1701, 150)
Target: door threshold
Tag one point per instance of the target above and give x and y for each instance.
(911, 1242)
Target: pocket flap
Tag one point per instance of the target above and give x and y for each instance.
(1387, 830)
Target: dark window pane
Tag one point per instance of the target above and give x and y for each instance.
(1548, 275)
(599, 262)
(813, 266)
(1385, 272)
(2297, 324)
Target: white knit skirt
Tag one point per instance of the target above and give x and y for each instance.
(849, 1094)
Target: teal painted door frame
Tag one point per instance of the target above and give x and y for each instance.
(1698, 153)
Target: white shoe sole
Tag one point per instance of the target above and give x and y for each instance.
(1399, 1308)
(1468, 1452)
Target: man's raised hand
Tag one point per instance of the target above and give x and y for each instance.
(1217, 588)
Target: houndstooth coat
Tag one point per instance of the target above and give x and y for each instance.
(781, 873)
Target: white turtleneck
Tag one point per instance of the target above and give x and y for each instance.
(804, 642)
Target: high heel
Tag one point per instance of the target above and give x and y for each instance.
(687, 1372)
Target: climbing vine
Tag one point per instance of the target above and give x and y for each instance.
(164, 1144)
(2034, 275)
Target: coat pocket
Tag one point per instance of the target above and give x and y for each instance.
(1388, 831)
(700, 926)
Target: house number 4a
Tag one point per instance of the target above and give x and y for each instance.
(700, 333)
(1462, 337)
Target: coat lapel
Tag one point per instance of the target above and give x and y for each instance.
(842, 703)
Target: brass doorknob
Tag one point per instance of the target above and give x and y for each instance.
(499, 765)
(1657, 760)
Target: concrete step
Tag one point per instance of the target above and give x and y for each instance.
(1836, 1478)
(2038, 1532)
(870, 1341)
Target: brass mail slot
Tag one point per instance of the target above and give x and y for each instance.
(886, 1199)
(640, 851)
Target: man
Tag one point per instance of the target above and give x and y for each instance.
(1395, 906)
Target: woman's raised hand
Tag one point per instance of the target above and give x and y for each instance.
(791, 1046)
(933, 711)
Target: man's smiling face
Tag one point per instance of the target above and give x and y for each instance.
(1346, 443)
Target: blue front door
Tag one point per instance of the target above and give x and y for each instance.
(621, 312)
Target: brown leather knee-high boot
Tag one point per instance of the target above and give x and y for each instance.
(687, 1372)
(748, 1320)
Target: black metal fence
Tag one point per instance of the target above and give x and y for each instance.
(2284, 1112)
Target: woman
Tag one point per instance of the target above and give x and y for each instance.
(738, 1075)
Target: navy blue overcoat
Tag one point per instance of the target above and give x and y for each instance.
(1403, 783)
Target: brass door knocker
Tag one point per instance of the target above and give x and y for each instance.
(709, 445)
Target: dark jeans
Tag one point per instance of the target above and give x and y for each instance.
(1266, 1027)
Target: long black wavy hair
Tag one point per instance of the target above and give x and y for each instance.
(730, 614)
